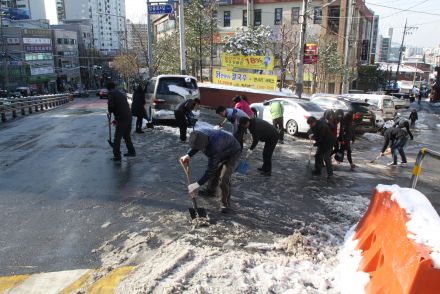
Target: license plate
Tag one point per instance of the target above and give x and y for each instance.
(366, 120)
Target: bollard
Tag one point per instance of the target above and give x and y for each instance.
(3, 117)
(23, 112)
(30, 107)
(36, 106)
(14, 113)
(41, 106)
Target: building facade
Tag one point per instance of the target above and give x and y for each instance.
(36, 8)
(107, 19)
(66, 58)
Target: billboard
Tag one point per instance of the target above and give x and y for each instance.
(16, 13)
(239, 79)
(310, 54)
(248, 62)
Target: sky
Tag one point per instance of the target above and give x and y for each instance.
(428, 21)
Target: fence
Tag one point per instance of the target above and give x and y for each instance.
(15, 106)
(418, 166)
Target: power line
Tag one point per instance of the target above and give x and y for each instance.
(406, 10)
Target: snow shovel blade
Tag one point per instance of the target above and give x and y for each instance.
(196, 212)
(242, 168)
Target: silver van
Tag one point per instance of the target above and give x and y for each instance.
(383, 102)
(165, 92)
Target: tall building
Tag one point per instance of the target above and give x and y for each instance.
(385, 47)
(108, 21)
(61, 12)
(36, 8)
(374, 39)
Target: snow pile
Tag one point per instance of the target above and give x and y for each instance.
(348, 279)
(424, 222)
(372, 137)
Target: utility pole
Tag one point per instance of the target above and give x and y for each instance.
(182, 38)
(302, 37)
(5, 78)
(406, 31)
(150, 43)
(347, 48)
(250, 13)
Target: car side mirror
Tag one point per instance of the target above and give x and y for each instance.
(266, 103)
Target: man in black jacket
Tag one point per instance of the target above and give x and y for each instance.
(118, 105)
(397, 138)
(325, 141)
(184, 115)
(262, 131)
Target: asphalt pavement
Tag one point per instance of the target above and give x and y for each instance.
(61, 196)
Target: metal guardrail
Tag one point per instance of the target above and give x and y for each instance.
(417, 170)
(30, 104)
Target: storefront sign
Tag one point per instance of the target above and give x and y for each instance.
(248, 62)
(240, 79)
(41, 70)
(38, 48)
(37, 41)
(310, 54)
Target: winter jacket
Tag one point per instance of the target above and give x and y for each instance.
(186, 107)
(391, 135)
(276, 109)
(324, 138)
(402, 122)
(413, 116)
(217, 145)
(118, 105)
(138, 105)
(347, 133)
(244, 106)
(263, 131)
(233, 115)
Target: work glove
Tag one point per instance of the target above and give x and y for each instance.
(218, 127)
(193, 187)
(185, 158)
(382, 154)
(249, 153)
(311, 136)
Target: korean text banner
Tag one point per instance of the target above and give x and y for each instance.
(248, 62)
(238, 79)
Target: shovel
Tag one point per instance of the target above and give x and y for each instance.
(243, 166)
(195, 212)
(310, 154)
(109, 118)
(388, 151)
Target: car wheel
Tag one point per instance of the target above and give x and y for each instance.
(292, 127)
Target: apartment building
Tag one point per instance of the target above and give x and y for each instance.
(66, 57)
(107, 19)
(36, 8)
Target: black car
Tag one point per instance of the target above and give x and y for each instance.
(364, 119)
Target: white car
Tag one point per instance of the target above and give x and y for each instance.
(296, 113)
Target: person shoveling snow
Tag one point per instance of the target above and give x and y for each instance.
(223, 152)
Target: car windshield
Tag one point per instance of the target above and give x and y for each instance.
(387, 103)
(360, 107)
(164, 84)
(310, 106)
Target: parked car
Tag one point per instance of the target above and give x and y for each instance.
(102, 93)
(364, 120)
(401, 100)
(80, 93)
(24, 92)
(296, 113)
(383, 102)
(165, 92)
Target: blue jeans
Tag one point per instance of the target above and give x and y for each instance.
(397, 147)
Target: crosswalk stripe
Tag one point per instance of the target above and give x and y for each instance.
(9, 282)
(47, 283)
(78, 284)
(107, 284)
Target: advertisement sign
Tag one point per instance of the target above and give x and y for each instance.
(38, 48)
(37, 41)
(310, 54)
(239, 79)
(16, 13)
(365, 49)
(41, 70)
(248, 62)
